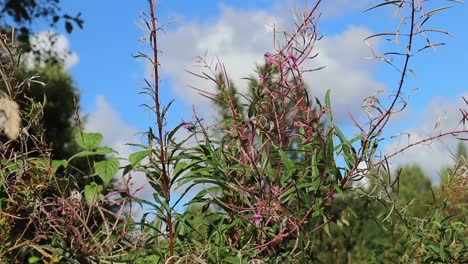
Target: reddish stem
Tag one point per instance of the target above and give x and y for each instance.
(160, 126)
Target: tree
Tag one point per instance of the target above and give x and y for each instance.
(58, 97)
(460, 156)
(60, 94)
(367, 230)
(56, 125)
(414, 190)
(22, 13)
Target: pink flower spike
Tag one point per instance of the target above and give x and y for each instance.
(257, 219)
(293, 59)
(271, 59)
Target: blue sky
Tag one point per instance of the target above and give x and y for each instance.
(238, 32)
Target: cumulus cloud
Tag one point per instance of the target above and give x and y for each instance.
(440, 116)
(108, 122)
(47, 44)
(240, 38)
(346, 74)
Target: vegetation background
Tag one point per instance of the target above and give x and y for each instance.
(273, 180)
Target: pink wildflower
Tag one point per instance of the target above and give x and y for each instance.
(293, 59)
(257, 219)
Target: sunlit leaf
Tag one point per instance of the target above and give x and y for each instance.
(137, 157)
(107, 169)
(92, 192)
(88, 141)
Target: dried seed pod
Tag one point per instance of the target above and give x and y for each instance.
(10, 120)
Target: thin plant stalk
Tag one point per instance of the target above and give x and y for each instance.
(160, 126)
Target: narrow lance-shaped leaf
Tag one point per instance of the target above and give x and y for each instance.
(137, 157)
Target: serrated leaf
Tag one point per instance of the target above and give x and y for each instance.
(88, 141)
(104, 151)
(107, 169)
(81, 154)
(137, 157)
(92, 192)
(59, 163)
(89, 153)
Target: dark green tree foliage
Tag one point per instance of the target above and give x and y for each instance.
(56, 126)
(58, 97)
(461, 151)
(460, 157)
(414, 190)
(22, 13)
(365, 230)
(45, 201)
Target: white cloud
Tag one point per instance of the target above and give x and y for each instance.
(347, 74)
(440, 116)
(240, 39)
(108, 122)
(48, 43)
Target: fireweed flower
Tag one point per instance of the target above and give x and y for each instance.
(293, 59)
(10, 119)
(257, 219)
(187, 125)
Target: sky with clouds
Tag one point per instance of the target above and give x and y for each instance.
(239, 33)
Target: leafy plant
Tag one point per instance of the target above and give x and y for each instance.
(275, 181)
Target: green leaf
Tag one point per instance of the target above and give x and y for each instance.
(59, 163)
(232, 259)
(68, 27)
(327, 226)
(107, 169)
(88, 153)
(288, 163)
(137, 157)
(180, 167)
(329, 148)
(88, 141)
(34, 259)
(361, 192)
(104, 151)
(308, 186)
(340, 224)
(92, 192)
